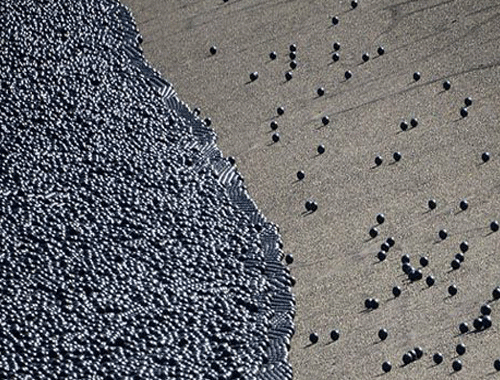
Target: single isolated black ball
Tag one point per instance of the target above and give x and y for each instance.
(446, 85)
(381, 255)
(496, 364)
(335, 20)
(208, 122)
(301, 175)
(464, 246)
(387, 366)
(443, 234)
(254, 76)
(494, 226)
(485, 156)
(403, 125)
(464, 205)
(335, 57)
(397, 156)
(378, 160)
(464, 112)
(276, 137)
(288, 76)
(463, 327)
(336, 46)
(430, 281)
(273, 55)
(365, 57)
(348, 75)
(325, 120)
(289, 258)
(414, 122)
(468, 101)
(335, 335)
(321, 149)
(213, 50)
(496, 293)
(396, 291)
(383, 334)
(452, 290)
(380, 50)
(424, 261)
(437, 358)
(320, 91)
(380, 218)
(460, 349)
(313, 338)
(419, 351)
(274, 125)
(432, 204)
(457, 365)
(373, 233)
(416, 76)
(354, 4)
(280, 111)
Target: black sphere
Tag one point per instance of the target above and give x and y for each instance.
(313, 338)
(300, 175)
(430, 281)
(314, 206)
(335, 57)
(288, 76)
(213, 50)
(335, 335)
(464, 327)
(496, 364)
(414, 122)
(457, 365)
(280, 110)
(365, 57)
(320, 91)
(325, 120)
(276, 137)
(292, 55)
(407, 268)
(293, 65)
(496, 293)
(293, 47)
(373, 232)
(321, 149)
(494, 226)
(460, 349)
(468, 101)
(485, 157)
(415, 275)
(380, 218)
(381, 255)
(424, 261)
(403, 125)
(397, 156)
(354, 4)
(464, 112)
(460, 257)
(432, 204)
(378, 160)
(486, 321)
(390, 241)
(419, 352)
(464, 205)
(208, 122)
(416, 76)
(443, 234)
(407, 358)
(336, 46)
(289, 258)
(385, 247)
(405, 259)
(368, 303)
(380, 50)
(452, 290)
(348, 75)
(375, 303)
(446, 85)
(455, 264)
(335, 20)
(486, 309)
(254, 76)
(273, 55)
(437, 358)
(274, 125)
(396, 291)
(464, 246)
(478, 323)
(387, 366)
(383, 334)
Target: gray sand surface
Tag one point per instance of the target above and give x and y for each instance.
(335, 264)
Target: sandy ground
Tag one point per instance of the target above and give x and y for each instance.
(335, 260)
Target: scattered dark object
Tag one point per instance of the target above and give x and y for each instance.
(293, 65)
(280, 111)
(378, 160)
(325, 120)
(415, 275)
(372, 303)
(494, 226)
(464, 205)
(313, 338)
(396, 156)
(289, 258)
(381, 255)
(443, 234)
(405, 259)
(276, 137)
(385, 247)
(452, 290)
(373, 232)
(496, 293)
(320, 91)
(424, 261)
(430, 281)
(208, 122)
(464, 112)
(437, 358)
(254, 76)
(380, 50)
(464, 246)
(460, 257)
(446, 85)
(432, 204)
(463, 327)
(231, 160)
(335, 20)
(496, 364)
(321, 149)
(460, 349)
(273, 55)
(335, 335)
(380, 218)
(403, 125)
(213, 50)
(414, 122)
(407, 358)
(300, 175)
(292, 55)
(486, 322)
(419, 351)
(455, 264)
(335, 57)
(387, 366)
(314, 206)
(457, 365)
(390, 241)
(274, 125)
(383, 334)
(396, 291)
(288, 76)
(485, 157)
(485, 309)
(478, 323)
(336, 46)
(348, 75)
(293, 47)
(407, 268)
(468, 101)
(416, 76)
(354, 4)
(365, 57)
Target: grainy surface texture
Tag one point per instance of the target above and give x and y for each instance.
(335, 260)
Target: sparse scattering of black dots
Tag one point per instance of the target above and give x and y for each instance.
(437, 358)
(335, 57)
(416, 76)
(276, 137)
(456, 365)
(452, 290)
(485, 156)
(213, 50)
(273, 55)
(301, 175)
(387, 366)
(446, 85)
(348, 75)
(335, 335)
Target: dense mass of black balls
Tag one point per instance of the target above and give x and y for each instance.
(129, 248)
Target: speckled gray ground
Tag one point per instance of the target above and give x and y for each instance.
(335, 263)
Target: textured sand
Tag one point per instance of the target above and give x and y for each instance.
(335, 264)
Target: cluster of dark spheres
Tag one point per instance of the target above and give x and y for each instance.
(412, 355)
(130, 248)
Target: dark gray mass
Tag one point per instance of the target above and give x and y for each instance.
(129, 247)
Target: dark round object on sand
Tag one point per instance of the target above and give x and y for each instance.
(365, 57)
(387, 366)
(405, 259)
(397, 156)
(325, 120)
(460, 349)
(416, 76)
(231, 160)
(432, 204)
(390, 241)
(320, 91)
(213, 50)
(464, 112)
(407, 268)
(254, 76)
(335, 335)
(378, 160)
(335, 20)
(280, 111)
(321, 149)
(293, 65)
(437, 358)
(276, 137)
(335, 57)
(455, 264)
(452, 290)
(273, 55)
(293, 47)
(381, 50)
(446, 85)
(430, 281)
(308, 205)
(403, 125)
(396, 291)
(336, 46)
(314, 206)
(380, 218)
(407, 358)
(478, 323)
(485, 309)
(383, 334)
(415, 275)
(354, 4)
(300, 175)
(460, 257)
(292, 55)
(485, 156)
(496, 364)
(414, 122)
(313, 338)
(385, 247)
(464, 205)
(496, 293)
(419, 351)
(463, 327)
(368, 303)
(424, 261)
(208, 122)
(487, 321)
(457, 365)
(289, 258)
(494, 226)
(288, 76)
(468, 101)
(274, 125)
(348, 75)
(464, 246)
(373, 233)
(381, 255)
(375, 303)
(443, 234)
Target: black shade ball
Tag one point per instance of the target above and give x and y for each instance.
(485, 309)
(335, 335)
(293, 47)
(460, 349)
(455, 264)
(293, 65)
(464, 205)
(335, 57)
(407, 268)
(385, 247)
(407, 358)
(381, 255)
(487, 321)
(301, 175)
(390, 241)
(280, 111)
(464, 246)
(288, 76)
(373, 232)
(208, 122)
(335, 20)
(368, 303)
(419, 351)
(325, 120)
(336, 46)
(276, 137)
(254, 76)
(387, 366)
(424, 261)
(430, 281)
(213, 50)
(432, 204)
(273, 55)
(405, 259)
(496, 293)
(321, 149)
(354, 4)
(397, 156)
(348, 75)
(464, 112)
(380, 218)
(365, 57)
(460, 257)
(320, 91)
(380, 50)
(443, 234)
(457, 365)
(274, 125)
(463, 327)
(468, 101)
(414, 122)
(314, 206)
(485, 156)
(437, 358)
(496, 364)
(478, 323)
(494, 226)
(289, 258)
(416, 76)
(452, 290)
(396, 291)
(292, 55)
(415, 275)
(403, 125)
(313, 338)
(446, 85)
(383, 334)
(378, 160)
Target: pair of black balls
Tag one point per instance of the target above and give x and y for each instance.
(311, 206)
(372, 303)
